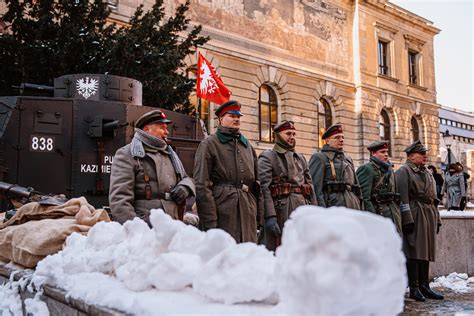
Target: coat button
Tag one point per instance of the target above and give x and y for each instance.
(241, 170)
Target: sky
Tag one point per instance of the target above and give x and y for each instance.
(453, 47)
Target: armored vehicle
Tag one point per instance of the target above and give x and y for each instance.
(65, 142)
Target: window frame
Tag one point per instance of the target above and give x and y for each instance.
(383, 57)
(384, 121)
(413, 67)
(271, 104)
(328, 118)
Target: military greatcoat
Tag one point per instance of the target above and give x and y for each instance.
(127, 184)
(344, 175)
(226, 177)
(277, 168)
(376, 183)
(417, 190)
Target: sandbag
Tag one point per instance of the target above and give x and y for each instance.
(37, 231)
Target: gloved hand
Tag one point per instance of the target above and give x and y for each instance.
(438, 228)
(271, 226)
(191, 219)
(179, 193)
(408, 228)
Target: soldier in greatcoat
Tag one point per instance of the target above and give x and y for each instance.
(147, 173)
(421, 220)
(226, 176)
(334, 178)
(285, 181)
(377, 181)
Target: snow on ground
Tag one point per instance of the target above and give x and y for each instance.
(332, 261)
(452, 213)
(458, 282)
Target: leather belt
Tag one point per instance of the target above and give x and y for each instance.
(155, 196)
(239, 186)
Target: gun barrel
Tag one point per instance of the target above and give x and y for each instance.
(8, 190)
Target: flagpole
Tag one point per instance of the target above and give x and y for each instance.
(198, 121)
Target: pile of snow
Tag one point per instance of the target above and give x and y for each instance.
(11, 302)
(113, 259)
(458, 282)
(453, 213)
(341, 262)
(332, 261)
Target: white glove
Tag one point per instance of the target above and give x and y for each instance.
(191, 219)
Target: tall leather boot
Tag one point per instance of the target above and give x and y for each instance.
(423, 272)
(416, 294)
(412, 272)
(428, 292)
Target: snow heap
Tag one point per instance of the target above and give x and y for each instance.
(340, 262)
(458, 282)
(332, 261)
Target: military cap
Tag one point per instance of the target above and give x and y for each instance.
(232, 107)
(283, 126)
(375, 146)
(155, 116)
(332, 130)
(416, 147)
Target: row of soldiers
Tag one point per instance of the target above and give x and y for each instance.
(242, 193)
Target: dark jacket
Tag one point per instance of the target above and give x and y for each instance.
(378, 183)
(278, 168)
(321, 174)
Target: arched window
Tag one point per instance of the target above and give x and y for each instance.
(268, 115)
(204, 107)
(415, 130)
(324, 118)
(384, 127)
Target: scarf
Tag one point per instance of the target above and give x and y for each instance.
(281, 146)
(385, 166)
(142, 139)
(328, 148)
(226, 134)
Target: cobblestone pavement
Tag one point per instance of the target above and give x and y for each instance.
(453, 303)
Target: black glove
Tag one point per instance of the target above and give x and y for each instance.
(438, 228)
(179, 193)
(271, 226)
(408, 228)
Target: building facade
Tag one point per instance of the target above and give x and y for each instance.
(367, 64)
(458, 125)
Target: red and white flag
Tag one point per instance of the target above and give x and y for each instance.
(209, 84)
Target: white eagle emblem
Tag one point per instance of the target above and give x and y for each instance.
(208, 84)
(87, 87)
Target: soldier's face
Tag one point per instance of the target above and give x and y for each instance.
(159, 130)
(230, 120)
(381, 154)
(418, 159)
(289, 136)
(336, 141)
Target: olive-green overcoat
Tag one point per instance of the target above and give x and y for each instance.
(417, 190)
(320, 170)
(274, 168)
(374, 181)
(226, 176)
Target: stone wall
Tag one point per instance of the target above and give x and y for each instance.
(455, 246)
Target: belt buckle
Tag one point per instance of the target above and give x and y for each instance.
(167, 196)
(245, 188)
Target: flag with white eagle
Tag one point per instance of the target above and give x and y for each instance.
(209, 84)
